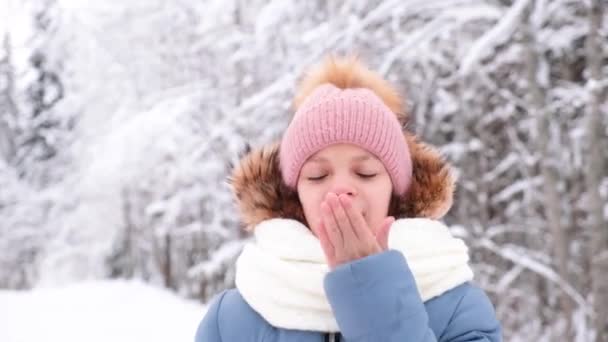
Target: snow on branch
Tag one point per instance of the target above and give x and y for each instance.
(499, 34)
(508, 278)
(506, 164)
(594, 85)
(516, 187)
(455, 14)
(538, 268)
(217, 263)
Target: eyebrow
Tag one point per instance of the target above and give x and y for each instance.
(362, 157)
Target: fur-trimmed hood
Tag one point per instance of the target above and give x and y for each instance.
(261, 194)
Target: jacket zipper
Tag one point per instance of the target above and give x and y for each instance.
(332, 337)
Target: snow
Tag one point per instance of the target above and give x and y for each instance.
(161, 96)
(514, 188)
(506, 164)
(228, 251)
(270, 18)
(537, 267)
(451, 17)
(116, 311)
(156, 133)
(496, 36)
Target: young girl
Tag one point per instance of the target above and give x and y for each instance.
(347, 244)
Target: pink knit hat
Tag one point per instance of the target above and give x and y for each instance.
(331, 115)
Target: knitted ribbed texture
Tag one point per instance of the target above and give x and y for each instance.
(331, 115)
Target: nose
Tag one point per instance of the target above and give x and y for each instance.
(342, 188)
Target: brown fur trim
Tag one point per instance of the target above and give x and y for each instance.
(261, 193)
(432, 190)
(349, 72)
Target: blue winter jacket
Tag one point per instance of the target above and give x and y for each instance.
(374, 299)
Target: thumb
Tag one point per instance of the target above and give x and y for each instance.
(382, 234)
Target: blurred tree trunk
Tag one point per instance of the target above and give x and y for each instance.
(548, 164)
(462, 136)
(594, 174)
(8, 109)
(166, 268)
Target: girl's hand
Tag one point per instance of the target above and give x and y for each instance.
(344, 234)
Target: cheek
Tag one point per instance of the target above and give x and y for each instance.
(380, 203)
(310, 199)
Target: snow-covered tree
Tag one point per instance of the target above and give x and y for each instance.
(133, 111)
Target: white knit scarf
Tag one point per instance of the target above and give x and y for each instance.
(280, 273)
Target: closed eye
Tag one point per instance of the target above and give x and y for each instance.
(364, 175)
(316, 178)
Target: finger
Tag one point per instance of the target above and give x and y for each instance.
(359, 226)
(331, 227)
(326, 245)
(383, 232)
(342, 220)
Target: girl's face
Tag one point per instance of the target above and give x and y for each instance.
(345, 169)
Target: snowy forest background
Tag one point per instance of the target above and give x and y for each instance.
(120, 120)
